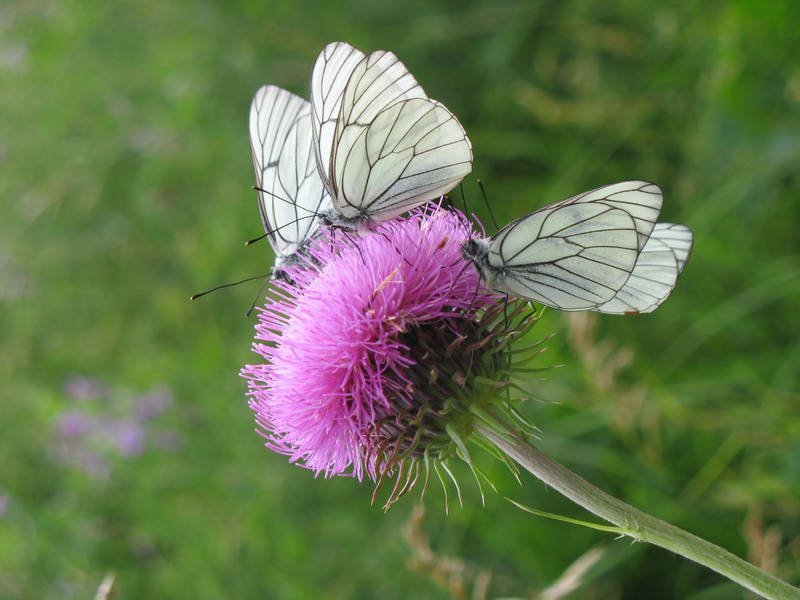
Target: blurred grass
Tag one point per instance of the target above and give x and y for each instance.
(125, 188)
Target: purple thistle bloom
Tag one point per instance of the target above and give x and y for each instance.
(374, 346)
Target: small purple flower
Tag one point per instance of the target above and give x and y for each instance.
(377, 348)
(109, 424)
(128, 437)
(153, 404)
(73, 424)
(82, 388)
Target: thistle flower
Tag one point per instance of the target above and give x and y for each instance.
(380, 351)
(383, 352)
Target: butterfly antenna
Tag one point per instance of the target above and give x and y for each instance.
(263, 191)
(227, 285)
(277, 229)
(257, 296)
(488, 206)
(467, 228)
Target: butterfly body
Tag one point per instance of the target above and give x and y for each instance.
(360, 223)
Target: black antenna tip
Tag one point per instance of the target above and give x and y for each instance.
(256, 239)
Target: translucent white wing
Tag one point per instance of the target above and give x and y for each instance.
(652, 280)
(376, 83)
(332, 71)
(640, 199)
(410, 152)
(571, 256)
(290, 193)
(391, 148)
(678, 238)
(655, 273)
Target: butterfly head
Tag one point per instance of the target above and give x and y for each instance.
(476, 251)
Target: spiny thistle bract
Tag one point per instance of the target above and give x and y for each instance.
(381, 350)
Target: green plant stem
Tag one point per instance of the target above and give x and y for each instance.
(634, 522)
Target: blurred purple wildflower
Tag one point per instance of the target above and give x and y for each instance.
(72, 424)
(110, 424)
(81, 388)
(374, 346)
(153, 404)
(127, 436)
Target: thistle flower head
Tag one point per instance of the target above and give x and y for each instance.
(378, 350)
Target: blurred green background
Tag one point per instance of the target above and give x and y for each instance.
(127, 444)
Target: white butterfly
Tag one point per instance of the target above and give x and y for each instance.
(600, 250)
(291, 195)
(381, 145)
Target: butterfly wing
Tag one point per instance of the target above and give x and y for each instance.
(656, 272)
(640, 199)
(392, 148)
(410, 152)
(377, 82)
(573, 256)
(332, 71)
(290, 193)
(679, 239)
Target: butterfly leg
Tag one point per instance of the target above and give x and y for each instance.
(261, 291)
(355, 245)
(396, 249)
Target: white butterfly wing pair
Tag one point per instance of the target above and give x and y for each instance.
(383, 146)
(600, 250)
(291, 195)
(370, 146)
